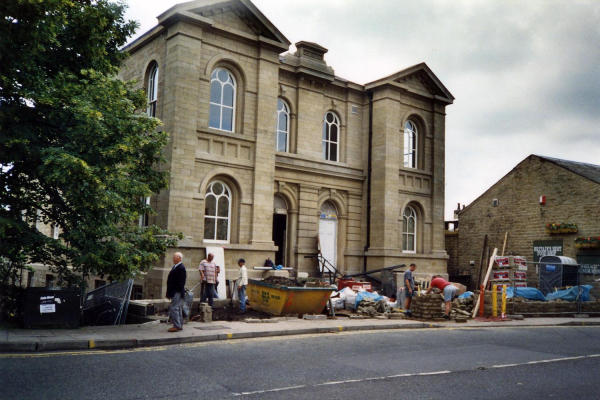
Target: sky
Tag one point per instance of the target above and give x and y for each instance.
(525, 74)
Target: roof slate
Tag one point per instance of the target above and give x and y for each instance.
(588, 171)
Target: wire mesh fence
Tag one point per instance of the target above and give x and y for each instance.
(107, 305)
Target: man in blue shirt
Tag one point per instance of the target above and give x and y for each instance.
(409, 288)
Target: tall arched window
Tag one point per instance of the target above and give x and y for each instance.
(222, 100)
(331, 137)
(283, 125)
(410, 144)
(152, 90)
(409, 230)
(217, 212)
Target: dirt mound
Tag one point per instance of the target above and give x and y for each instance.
(231, 314)
(281, 281)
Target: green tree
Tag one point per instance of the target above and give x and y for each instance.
(75, 149)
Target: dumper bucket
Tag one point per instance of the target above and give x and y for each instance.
(284, 300)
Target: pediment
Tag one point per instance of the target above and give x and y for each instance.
(418, 79)
(230, 15)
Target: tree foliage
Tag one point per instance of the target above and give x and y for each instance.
(76, 151)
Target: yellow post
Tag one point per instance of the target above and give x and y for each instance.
(503, 301)
(494, 300)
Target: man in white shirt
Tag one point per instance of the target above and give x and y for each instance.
(242, 282)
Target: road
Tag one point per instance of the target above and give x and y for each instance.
(503, 363)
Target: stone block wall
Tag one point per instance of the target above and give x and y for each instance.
(570, 198)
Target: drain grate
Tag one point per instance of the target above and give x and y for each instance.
(210, 327)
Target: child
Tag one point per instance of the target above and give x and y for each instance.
(242, 282)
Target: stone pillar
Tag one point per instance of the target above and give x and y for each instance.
(439, 153)
(307, 227)
(264, 157)
(342, 240)
(292, 239)
(385, 181)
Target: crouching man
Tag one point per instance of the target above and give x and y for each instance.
(447, 289)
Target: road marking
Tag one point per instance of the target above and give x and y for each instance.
(551, 360)
(377, 378)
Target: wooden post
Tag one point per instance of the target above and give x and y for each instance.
(485, 281)
(504, 246)
(481, 260)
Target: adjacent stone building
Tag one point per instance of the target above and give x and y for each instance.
(273, 155)
(538, 191)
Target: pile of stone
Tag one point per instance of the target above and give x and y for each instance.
(462, 309)
(428, 306)
(432, 307)
(370, 307)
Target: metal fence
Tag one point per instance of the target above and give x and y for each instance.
(569, 289)
(107, 305)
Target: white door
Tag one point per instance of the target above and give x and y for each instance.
(328, 239)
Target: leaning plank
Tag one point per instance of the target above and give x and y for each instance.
(485, 281)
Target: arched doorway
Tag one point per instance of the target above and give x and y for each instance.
(280, 229)
(328, 232)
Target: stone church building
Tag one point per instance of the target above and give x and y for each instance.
(273, 155)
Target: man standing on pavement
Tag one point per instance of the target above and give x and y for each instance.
(208, 274)
(409, 289)
(447, 288)
(175, 291)
(242, 282)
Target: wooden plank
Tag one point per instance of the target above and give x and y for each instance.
(485, 281)
(504, 246)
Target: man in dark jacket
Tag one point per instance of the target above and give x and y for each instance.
(175, 291)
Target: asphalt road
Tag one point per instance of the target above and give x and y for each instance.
(504, 363)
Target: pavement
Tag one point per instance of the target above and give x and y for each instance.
(155, 333)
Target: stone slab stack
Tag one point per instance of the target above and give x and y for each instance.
(428, 306)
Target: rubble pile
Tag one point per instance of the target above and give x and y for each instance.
(462, 309)
(370, 307)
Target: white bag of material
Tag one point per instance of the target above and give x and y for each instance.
(350, 298)
(338, 303)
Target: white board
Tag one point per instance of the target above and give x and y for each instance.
(219, 253)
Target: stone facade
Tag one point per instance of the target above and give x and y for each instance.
(572, 195)
(190, 43)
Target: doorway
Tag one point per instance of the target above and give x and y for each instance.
(328, 232)
(279, 235)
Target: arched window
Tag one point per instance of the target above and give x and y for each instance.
(410, 144)
(152, 90)
(331, 137)
(409, 230)
(283, 125)
(222, 100)
(217, 212)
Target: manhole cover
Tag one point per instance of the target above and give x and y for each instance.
(210, 327)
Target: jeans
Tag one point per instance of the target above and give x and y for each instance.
(209, 291)
(242, 297)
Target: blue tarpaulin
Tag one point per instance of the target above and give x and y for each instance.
(362, 295)
(581, 293)
(525, 292)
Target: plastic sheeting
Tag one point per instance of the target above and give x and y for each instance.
(525, 292)
(362, 295)
(576, 293)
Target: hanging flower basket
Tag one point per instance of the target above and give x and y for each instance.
(555, 228)
(591, 242)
